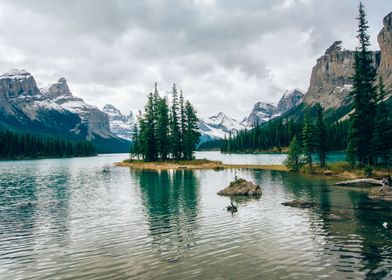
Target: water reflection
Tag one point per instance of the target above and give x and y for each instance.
(171, 205)
(352, 224)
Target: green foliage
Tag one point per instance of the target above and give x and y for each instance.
(320, 135)
(166, 133)
(210, 145)
(307, 138)
(382, 134)
(364, 97)
(294, 158)
(20, 146)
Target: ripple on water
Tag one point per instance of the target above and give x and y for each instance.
(84, 218)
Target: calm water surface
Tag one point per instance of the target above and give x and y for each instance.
(86, 219)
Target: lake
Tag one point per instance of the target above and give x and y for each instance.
(84, 218)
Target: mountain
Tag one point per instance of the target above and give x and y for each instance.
(53, 110)
(384, 39)
(263, 112)
(330, 82)
(289, 100)
(121, 125)
(217, 127)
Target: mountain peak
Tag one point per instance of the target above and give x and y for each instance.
(60, 88)
(16, 74)
(62, 80)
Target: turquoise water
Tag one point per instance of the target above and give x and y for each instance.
(86, 219)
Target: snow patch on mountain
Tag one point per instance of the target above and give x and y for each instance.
(121, 125)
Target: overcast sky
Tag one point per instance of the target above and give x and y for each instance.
(224, 54)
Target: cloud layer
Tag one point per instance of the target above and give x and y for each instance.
(225, 54)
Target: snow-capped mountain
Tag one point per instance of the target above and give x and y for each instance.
(263, 112)
(289, 100)
(53, 110)
(219, 126)
(121, 125)
(97, 121)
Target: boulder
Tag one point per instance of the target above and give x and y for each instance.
(299, 204)
(383, 193)
(241, 187)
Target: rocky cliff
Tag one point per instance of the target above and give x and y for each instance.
(330, 82)
(385, 41)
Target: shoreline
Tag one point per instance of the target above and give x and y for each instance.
(196, 165)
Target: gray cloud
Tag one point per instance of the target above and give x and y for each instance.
(224, 54)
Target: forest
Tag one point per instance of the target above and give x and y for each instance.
(29, 146)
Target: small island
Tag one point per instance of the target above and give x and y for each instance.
(241, 187)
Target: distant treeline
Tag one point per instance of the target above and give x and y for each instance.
(277, 135)
(29, 146)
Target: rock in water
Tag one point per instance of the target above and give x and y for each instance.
(299, 204)
(240, 187)
(383, 193)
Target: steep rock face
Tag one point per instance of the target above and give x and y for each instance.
(385, 41)
(261, 113)
(289, 100)
(330, 82)
(23, 106)
(97, 121)
(218, 126)
(121, 125)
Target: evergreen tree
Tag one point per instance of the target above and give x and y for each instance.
(163, 129)
(150, 126)
(382, 128)
(320, 135)
(364, 95)
(307, 138)
(182, 120)
(175, 129)
(191, 131)
(293, 161)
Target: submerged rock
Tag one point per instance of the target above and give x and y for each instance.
(299, 204)
(383, 193)
(241, 187)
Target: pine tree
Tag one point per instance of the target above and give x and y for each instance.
(163, 129)
(191, 131)
(364, 96)
(320, 135)
(175, 129)
(307, 138)
(182, 120)
(293, 161)
(382, 128)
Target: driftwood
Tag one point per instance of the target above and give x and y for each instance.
(371, 182)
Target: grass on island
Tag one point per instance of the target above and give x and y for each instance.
(194, 164)
(345, 170)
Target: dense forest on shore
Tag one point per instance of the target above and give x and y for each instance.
(30, 146)
(365, 134)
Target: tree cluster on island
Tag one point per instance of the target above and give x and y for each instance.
(30, 146)
(166, 131)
